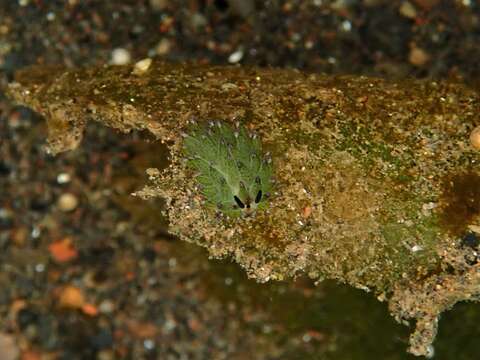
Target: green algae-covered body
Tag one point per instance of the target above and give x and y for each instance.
(234, 176)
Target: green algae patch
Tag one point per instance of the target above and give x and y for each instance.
(375, 182)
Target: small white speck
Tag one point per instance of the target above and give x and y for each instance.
(106, 306)
(142, 66)
(346, 25)
(309, 44)
(306, 338)
(236, 56)
(169, 325)
(172, 262)
(120, 56)
(331, 60)
(40, 268)
(51, 16)
(430, 352)
(416, 248)
(63, 178)
(429, 206)
(35, 232)
(149, 344)
(228, 281)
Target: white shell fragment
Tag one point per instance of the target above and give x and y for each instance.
(142, 66)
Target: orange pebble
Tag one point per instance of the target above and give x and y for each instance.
(475, 138)
(90, 309)
(71, 297)
(62, 250)
(30, 355)
(307, 211)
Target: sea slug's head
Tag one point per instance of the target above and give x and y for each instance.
(248, 200)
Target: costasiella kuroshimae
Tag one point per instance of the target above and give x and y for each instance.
(234, 176)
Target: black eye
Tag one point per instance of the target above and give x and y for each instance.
(258, 197)
(239, 202)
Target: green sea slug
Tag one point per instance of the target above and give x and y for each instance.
(235, 178)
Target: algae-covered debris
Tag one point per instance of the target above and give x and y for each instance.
(376, 183)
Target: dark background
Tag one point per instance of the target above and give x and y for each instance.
(154, 297)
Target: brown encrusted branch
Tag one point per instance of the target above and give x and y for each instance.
(375, 180)
(426, 301)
